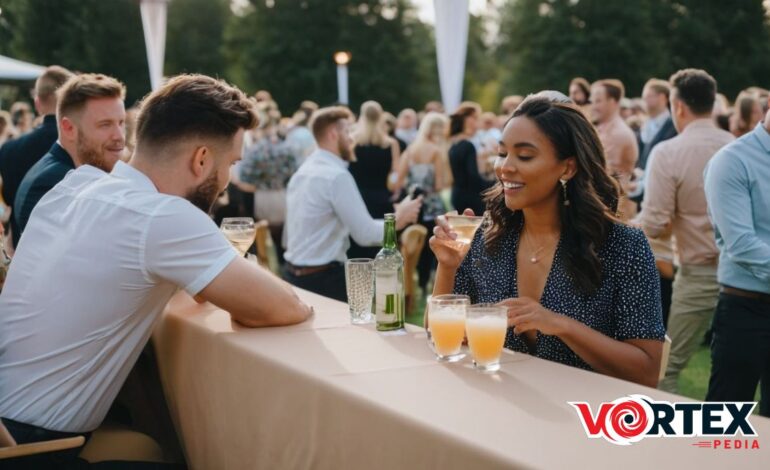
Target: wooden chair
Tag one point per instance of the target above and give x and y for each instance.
(108, 442)
(412, 243)
(9, 449)
(664, 357)
(261, 240)
(116, 442)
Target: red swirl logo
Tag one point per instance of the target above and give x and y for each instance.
(628, 419)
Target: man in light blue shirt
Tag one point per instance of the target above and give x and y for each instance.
(737, 184)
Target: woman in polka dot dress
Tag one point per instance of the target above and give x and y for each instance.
(581, 288)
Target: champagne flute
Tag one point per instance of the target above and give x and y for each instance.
(240, 231)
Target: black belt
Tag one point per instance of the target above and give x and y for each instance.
(747, 294)
(300, 271)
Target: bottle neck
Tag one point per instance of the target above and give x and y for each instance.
(389, 241)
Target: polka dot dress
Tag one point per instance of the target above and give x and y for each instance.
(626, 306)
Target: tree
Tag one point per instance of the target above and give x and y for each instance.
(287, 47)
(731, 40)
(546, 43)
(85, 36)
(196, 37)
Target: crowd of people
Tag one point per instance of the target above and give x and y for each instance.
(609, 223)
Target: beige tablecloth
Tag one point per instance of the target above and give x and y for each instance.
(329, 395)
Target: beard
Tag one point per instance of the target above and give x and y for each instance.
(204, 196)
(92, 154)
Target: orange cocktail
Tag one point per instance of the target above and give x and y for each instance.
(446, 325)
(486, 326)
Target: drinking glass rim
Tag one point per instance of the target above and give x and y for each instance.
(484, 309)
(361, 261)
(449, 299)
(475, 218)
(237, 221)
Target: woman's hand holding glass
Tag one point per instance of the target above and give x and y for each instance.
(448, 252)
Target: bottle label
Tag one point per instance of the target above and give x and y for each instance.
(388, 298)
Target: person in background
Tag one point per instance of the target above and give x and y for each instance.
(298, 135)
(509, 104)
(659, 126)
(373, 168)
(6, 127)
(115, 248)
(263, 96)
(17, 157)
(433, 107)
(747, 113)
(325, 208)
(424, 166)
(675, 201)
(389, 123)
(22, 117)
(266, 167)
(580, 94)
(90, 116)
(489, 134)
(406, 127)
(466, 162)
(579, 285)
(131, 115)
(619, 141)
(737, 185)
(617, 138)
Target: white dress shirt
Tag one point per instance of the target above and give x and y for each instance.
(100, 258)
(324, 207)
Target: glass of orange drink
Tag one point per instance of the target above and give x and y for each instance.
(486, 326)
(446, 325)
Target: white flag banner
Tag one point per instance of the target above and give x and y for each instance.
(451, 45)
(154, 24)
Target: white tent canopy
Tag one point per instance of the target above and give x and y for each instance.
(12, 69)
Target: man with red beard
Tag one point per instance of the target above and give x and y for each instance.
(104, 252)
(91, 118)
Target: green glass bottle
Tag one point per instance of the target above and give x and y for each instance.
(389, 301)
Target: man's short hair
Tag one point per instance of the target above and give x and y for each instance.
(193, 106)
(74, 94)
(50, 81)
(327, 117)
(696, 88)
(613, 87)
(658, 86)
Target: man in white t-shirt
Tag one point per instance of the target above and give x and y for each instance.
(103, 253)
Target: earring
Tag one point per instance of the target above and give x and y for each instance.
(564, 188)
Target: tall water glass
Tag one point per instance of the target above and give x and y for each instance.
(359, 280)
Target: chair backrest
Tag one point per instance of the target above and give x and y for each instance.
(6, 440)
(412, 243)
(9, 449)
(263, 234)
(664, 357)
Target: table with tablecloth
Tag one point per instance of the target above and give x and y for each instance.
(326, 394)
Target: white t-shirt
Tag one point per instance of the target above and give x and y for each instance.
(100, 258)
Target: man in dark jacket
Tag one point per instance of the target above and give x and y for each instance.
(91, 119)
(19, 155)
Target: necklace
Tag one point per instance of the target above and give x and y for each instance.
(534, 258)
